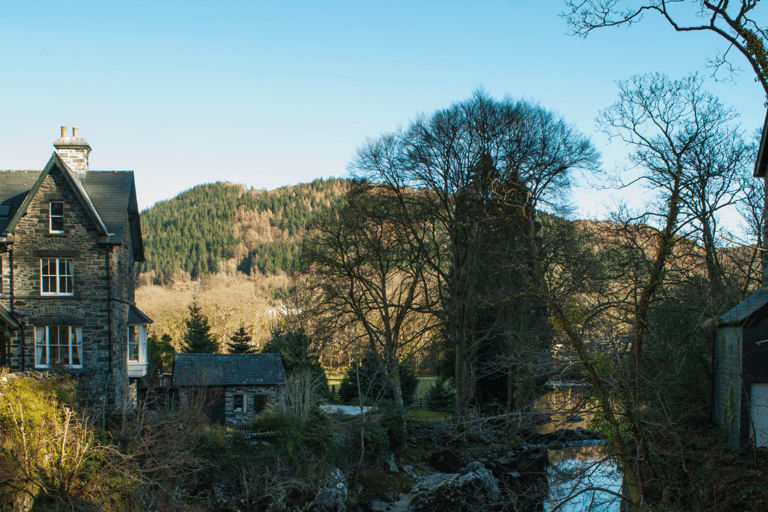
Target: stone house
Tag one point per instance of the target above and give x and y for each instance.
(740, 354)
(69, 239)
(239, 386)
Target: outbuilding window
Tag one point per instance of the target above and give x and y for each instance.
(238, 403)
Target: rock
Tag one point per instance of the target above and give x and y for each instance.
(507, 460)
(475, 489)
(472, 466)
(332, 497)
(446, 461)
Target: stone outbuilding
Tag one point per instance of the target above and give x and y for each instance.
(238, 385)
(69, 241)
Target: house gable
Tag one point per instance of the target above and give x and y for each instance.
(56, 164)
(69, 239)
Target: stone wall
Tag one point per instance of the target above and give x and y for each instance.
(245, 416)
(104, 368)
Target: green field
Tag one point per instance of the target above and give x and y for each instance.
(335, 378)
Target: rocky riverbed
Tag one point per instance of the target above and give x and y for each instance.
(481, 473)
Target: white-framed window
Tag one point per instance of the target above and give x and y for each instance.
(56, 217)
(137, 350)
(58, 345)
(56, 276)
(133, 343)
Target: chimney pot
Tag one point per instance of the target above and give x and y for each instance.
(73, 151)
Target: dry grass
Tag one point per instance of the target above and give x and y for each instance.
(227, 300)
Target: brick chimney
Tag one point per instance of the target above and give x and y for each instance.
(73, 151)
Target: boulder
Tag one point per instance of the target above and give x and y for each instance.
(475, 488)
(446, 461)
(332, 497)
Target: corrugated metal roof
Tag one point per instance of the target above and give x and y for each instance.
(228, 370)
(745, 308)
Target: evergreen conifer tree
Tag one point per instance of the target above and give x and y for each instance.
(198, 338)
(160, 352)
(241, 342)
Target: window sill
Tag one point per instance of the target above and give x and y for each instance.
(62, 367)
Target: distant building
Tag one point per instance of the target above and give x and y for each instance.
(239, 385)
(69, 239)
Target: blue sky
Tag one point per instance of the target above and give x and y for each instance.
(277, 93)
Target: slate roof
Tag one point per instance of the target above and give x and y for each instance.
(111, 195)
(746, 308)
(228, 370)
(135, 316)
(8, 319)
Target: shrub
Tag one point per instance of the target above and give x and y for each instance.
(440, 396)
(47, 449)
(394, 423)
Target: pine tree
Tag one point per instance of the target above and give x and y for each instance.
(198, 338)
(160, 352)
(241, 342)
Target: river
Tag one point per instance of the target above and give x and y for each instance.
(579, 479)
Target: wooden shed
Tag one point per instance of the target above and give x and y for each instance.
(740, 372)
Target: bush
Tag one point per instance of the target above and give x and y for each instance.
(47, 449)
(394, 422)
(376, 441)
(440, 396)
(305, 431)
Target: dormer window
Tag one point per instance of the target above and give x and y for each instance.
(56, 217)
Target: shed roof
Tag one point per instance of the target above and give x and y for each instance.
(745, 309)
(228, 370)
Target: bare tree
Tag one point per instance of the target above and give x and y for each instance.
(735, 22)
(370, 278)
(681, 135)
(614, 300)
(465, 168)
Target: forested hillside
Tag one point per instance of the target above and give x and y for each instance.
(256, 229)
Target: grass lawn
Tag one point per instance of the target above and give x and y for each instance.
(425, 415)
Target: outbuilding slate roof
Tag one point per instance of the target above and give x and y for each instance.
(746, 308)
(228, 370)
